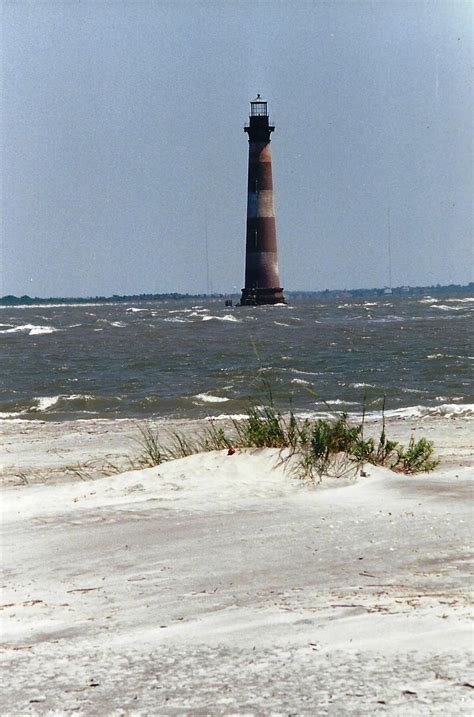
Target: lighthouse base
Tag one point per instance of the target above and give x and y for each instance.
(262, 297)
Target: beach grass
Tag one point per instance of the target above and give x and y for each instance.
(333, 447)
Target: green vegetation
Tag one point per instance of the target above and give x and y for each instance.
(25, 300)
(313, 449)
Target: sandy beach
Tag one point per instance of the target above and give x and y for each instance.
(223, 585)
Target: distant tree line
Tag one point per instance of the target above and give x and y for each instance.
(396, 291)
(11, 300)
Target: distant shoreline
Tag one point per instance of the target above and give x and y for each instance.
(25, 300)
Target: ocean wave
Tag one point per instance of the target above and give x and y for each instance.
(467, 300)
(134, 310)
(362, 385)
(444, 410)
(42, 403)
(12, 417)
(428, 300)
(307, 373)
(443, 307)
(387, 319)
(413, 390)
(228, 417)
(447, 410)
(209, 398)
(226, 317)
(31, 329)
(339, 402)
(301, 381)
(117, 324)
(280, 323)
(13, 307)
(45, 403)
(176, 320)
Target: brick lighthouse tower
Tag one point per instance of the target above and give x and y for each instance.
(262, 283)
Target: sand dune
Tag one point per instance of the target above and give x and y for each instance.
(221, 584)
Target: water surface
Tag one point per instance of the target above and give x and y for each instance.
(182, 359)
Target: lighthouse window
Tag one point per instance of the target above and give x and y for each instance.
(255, 238)
(258, 108)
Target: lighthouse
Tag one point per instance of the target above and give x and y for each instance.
(262, 282)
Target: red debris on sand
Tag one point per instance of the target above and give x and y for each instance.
(231, 451)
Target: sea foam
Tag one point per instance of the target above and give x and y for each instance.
(30, 329)
(227, 317)
(209, 398)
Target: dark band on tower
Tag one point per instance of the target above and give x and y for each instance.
(262, 283)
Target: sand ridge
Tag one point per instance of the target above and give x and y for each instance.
(223, 585)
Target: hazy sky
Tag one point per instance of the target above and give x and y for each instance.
(122, 141)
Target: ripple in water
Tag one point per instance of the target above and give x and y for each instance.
(183, 360)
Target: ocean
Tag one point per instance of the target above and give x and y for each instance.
(183, 359)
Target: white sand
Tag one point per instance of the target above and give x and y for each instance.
(222, 585)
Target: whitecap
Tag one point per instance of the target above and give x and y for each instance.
(445, 410)
(228, 416)
(307, 373)
(280, 323)
(133, 310)
(387, 319)
(300, 381)
(226, 317)
(209, 398)
(44, 402)
(467, 300)
(362, 385)
(31, 329)
(119, 324)
(41, 330)
(339, 402)
(176, 320)
(443, 307)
